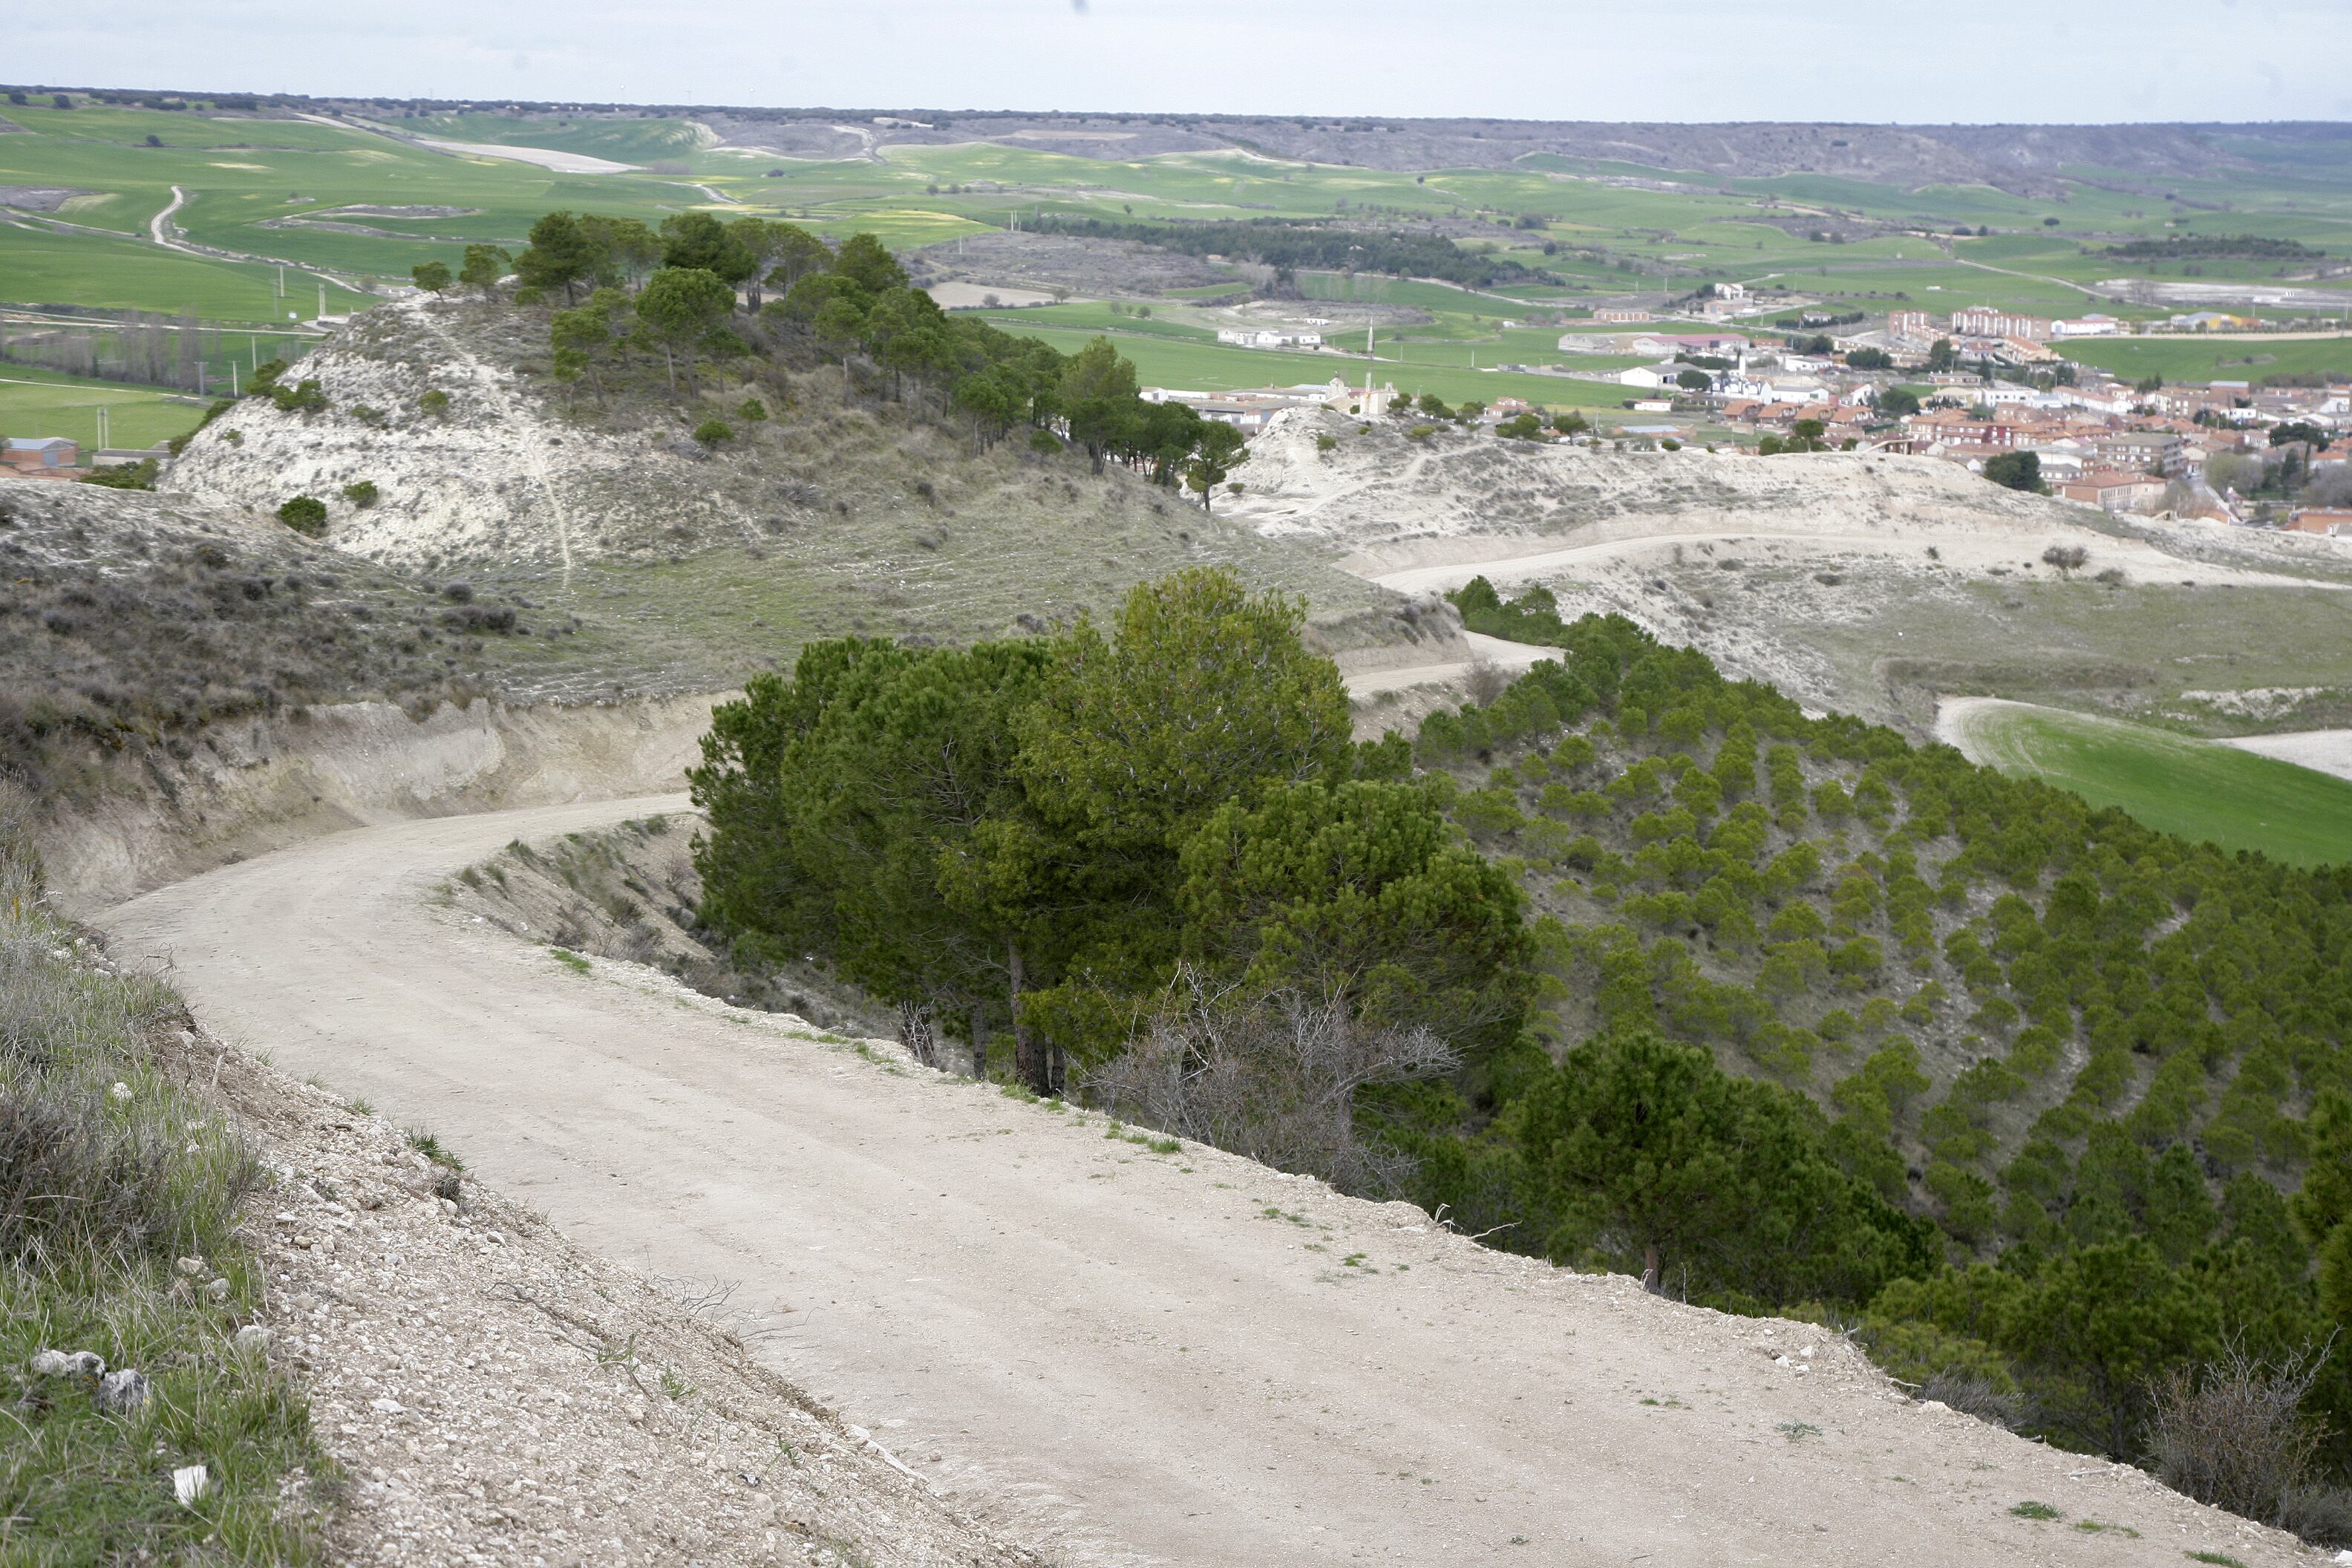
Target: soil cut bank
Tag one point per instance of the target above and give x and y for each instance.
(1133, 1356)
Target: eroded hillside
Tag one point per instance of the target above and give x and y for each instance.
(1859, 582)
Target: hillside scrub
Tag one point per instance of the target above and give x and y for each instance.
(121, 1190)
(136, 622)
(2093, 1055)
(1778, 1013)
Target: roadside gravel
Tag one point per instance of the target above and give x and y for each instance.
(495, 1394)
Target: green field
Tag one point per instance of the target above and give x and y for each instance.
(2197, 359)
(2199, 789)
(1219, 367)
(36, 402)
(276, 190)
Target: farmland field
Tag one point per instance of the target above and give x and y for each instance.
(362, 200)
(1220, 367)
(2217, 359)
(35, 403)
(2199, 789)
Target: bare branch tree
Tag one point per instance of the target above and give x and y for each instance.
(2232, 1432)
(1271, 1075)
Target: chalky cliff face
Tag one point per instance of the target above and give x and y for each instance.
(493, 473)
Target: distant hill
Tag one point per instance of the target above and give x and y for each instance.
(2024, 159)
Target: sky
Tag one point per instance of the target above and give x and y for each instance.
(1897, 61)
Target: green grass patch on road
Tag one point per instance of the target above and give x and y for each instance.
(2199, 789)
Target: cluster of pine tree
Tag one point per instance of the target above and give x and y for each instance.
(1633, 966)
(1870, 1032)
(695, 291)
(1067, 838)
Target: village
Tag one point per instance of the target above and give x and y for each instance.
(1990, 389)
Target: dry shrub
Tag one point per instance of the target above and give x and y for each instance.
(1974, 1395)
(2232, 1432)
(2321, 1515)
(1485, 680)
(1271, 1075)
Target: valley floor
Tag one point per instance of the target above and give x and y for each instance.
(1121, 1354)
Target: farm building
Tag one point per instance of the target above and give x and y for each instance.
(2117, 492)
(42, 455)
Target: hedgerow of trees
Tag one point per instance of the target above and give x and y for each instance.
(1288, 245)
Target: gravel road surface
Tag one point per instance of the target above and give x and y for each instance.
(1124, 1355)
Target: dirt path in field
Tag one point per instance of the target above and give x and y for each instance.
(1131, 1356)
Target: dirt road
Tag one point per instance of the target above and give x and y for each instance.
(1133, 1356)
(1966, 552)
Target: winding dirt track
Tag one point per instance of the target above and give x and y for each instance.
(1131, 1356)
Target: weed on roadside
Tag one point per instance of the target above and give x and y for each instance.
(120, 1197)
(426, 1145)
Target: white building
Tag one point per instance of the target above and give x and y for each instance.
(1270, 337)
(1655, 376)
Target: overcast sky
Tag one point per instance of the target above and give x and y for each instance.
(1900, 60)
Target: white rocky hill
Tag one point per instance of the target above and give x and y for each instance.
(498, 476)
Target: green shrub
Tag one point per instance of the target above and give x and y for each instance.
(751, 411)
(304, 514)
(139, 476)
(307, 398)
(362, 494)
(714, 433)
(435, 402)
